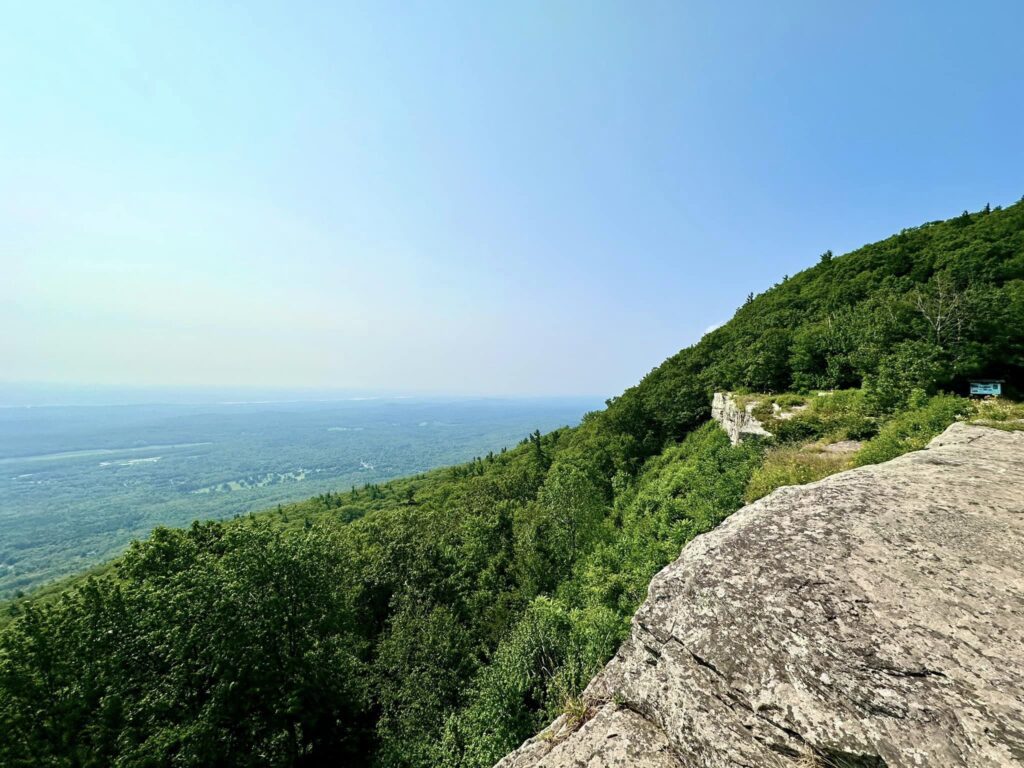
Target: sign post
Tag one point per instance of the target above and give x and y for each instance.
(987, 388)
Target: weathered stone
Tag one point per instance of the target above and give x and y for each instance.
(738, 422)
(874, 618)
(614, 737)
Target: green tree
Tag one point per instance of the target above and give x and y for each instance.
(911, 365)
(423, 663)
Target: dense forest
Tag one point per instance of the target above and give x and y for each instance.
(441, 619)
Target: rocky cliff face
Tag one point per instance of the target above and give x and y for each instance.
(737, 420)
(874, 618)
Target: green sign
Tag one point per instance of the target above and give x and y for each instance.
(986, 388)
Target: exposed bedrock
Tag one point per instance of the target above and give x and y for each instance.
(736, 418)
(874, 618)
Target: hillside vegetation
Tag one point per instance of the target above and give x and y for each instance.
(78, 484)
(442, 619)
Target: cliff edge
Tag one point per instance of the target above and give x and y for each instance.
(874, 618)
(736, 419)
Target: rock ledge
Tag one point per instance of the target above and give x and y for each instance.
(737, 420)
(874, 618)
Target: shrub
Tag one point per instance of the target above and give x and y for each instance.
(798, 429)
(912, 365)
(845, 414)
(840, 415)
(999, 413)
(525, 671)
(789, 400)
(911, 431)
(999, 409)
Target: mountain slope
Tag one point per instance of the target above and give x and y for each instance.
(444, 618)
(861, 317)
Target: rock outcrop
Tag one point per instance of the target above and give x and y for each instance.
(735, 418)
(874, 618)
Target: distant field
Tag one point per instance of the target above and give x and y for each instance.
(78, 483)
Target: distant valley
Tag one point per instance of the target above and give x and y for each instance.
(78, 483)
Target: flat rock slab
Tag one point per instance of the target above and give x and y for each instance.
(613, 736)
(874, 618)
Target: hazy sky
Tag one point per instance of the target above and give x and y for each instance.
(474, 197)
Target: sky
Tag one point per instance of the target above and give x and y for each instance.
(522, 198)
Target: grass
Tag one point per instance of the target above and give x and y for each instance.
(845, 415)
(848, 415)
(793, 465)
(577, 711)
(999, 413)
(1006, 426)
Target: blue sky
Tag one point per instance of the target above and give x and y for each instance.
(514, 198)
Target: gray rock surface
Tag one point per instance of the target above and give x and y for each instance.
(874, 618)
(737, 421)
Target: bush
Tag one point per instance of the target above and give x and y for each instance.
(840, 415)
(798, 429)
(911, 366)
(999, 413)
(789, 400)
(846, 413)
(518, 693)
(999, 409)
(911, 431)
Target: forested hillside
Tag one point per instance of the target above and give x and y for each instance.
(78, 484)
(442, 619)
